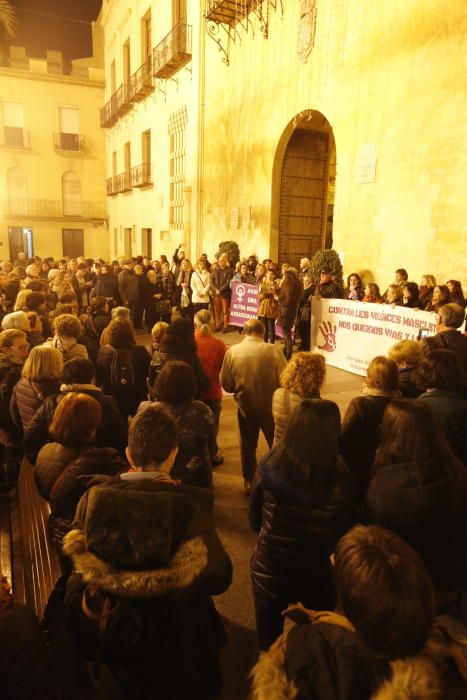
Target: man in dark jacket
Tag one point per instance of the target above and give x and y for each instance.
(450, 318)
(78, 376)
(128, 286)
(148, 546)
(327, 288)
(220, 286)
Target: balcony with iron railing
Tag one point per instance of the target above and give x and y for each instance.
(122, 182)
(228, 11)
(54, 208)
(118, 105)
(141, 83)
(64, 141)
(173, 52)
(15, 137)
(141, 175)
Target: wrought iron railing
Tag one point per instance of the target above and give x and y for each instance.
(15, 137)
(141, 83)
(141, 175)
(68, 142)
(173, 52)
(122, 182)
(54, 208)
(118, 105)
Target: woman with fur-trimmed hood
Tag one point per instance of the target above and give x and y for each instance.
(384, 643)
(146, 561)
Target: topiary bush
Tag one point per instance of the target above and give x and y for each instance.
(328, 258)
(232, 251)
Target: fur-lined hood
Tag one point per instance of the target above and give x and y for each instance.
(181, 571)
(417, 678)
(439, 672)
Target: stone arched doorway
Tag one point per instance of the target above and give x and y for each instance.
(304, 176)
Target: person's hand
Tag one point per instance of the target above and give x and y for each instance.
(329, 335)
(218, 291)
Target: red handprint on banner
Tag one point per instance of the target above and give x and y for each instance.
(329, 335)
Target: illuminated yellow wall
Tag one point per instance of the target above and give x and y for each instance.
(149, 207)
(391, 74)
(41, 93)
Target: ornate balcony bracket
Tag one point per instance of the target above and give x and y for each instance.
(160, 87)
(234, 17)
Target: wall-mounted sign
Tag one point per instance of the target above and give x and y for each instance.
(366, 164)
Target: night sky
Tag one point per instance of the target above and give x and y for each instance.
(38, 30)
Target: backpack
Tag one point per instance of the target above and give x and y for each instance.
(122, 373)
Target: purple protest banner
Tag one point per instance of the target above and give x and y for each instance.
(243, 303)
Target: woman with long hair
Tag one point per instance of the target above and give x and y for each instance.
(354, 288)
(94, 323)
(427, 285)
(360, 426)
(457, 293)
(441, 295)
(302, 501)
(122, 367)
(288, 301)
(418, 489)
(178, 343)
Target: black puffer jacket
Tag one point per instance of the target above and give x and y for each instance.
(298, 532)
(130, 394)
(425, 507)
(112, 431)
(152, 548)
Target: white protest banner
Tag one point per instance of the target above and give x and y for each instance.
(243, 303)
(350, 333)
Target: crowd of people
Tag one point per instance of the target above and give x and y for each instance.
(361, 520)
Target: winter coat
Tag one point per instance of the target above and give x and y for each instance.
(28, 396)
(448, 340)
(251, 371)
(112, 430)
(329, 290)
(211, 352)
(159, 359)
(200, 285)
(298, 530)
(128, 396)
(69, 347)
(151, 547)
(359, 437)
(284, 402)
(107, 286)
(425, 295)
(59, 479)
(128, 286)
(10, 374)
(451, 410)
(24, 664)
(220, 280)
(287, 304)
(168, 288)
(196, 430)
(267, 303)
(93, 327)
(422, 504)
(325, 661)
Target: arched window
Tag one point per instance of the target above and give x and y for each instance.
(17, 187)
(71, 194)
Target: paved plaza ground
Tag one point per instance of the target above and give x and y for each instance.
(231, 514)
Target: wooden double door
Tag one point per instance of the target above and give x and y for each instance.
(303, 196)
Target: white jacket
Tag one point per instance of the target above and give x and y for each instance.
(200, 284)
